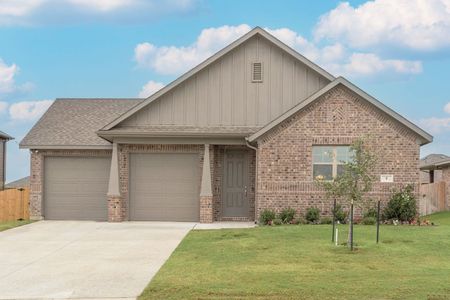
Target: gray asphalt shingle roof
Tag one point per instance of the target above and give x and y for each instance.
(74, 122)
(5, 136)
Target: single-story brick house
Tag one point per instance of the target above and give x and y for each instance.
(249, 128)
(4, 138)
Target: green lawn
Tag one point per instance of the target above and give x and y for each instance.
(12, 224)
(299, 262)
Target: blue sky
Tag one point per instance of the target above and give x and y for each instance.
(397, 51)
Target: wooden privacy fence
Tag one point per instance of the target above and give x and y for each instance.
(14, 204)
(433, 198)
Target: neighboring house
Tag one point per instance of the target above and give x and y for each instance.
(437, 167)
(3, 139)
(21, 183)
(429, 172)
(248, 129)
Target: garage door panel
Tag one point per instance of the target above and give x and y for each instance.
(76, 187)
(164, 187)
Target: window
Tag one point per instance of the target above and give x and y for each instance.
(257, 72)
(328, 161)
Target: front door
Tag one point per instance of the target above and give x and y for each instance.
(235, 184)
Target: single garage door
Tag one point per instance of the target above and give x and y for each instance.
(75, 188)
(164, 187)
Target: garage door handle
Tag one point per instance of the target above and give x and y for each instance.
(245, 191)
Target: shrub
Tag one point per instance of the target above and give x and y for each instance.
(401, 206)
(277, 221)
(371, 212)
(340, 214)
(369, 220)
(267, 216)
(312, 215)
(300, 221)
(326, 220)
(287, 215)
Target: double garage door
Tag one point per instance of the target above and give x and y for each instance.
(162, 187)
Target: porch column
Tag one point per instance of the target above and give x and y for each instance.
(206, 196)
(116, 209)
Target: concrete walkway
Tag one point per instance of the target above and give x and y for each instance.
(79, 260)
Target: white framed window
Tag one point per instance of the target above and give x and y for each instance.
(328, 161)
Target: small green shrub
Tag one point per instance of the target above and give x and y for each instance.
(287, 215)
(312, 215)
(277, 221)
(340, 214)
(267, 216)
(401, 206)
(371, 212)
(369, 220)
(326, 220)
(300, 221)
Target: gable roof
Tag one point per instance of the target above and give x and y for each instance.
(425, 137)
(434, 161)
(19, 183)
(72, 123)
(215, 57)
(5, 136)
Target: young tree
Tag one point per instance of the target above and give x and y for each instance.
(354, 181)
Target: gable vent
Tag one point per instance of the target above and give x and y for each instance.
(257, 72)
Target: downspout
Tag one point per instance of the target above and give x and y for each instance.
(247, 143)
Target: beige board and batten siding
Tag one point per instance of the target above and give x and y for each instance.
(224, 94)
(164, 187)
(75, 188)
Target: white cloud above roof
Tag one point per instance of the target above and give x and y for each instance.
(414, 24)
(172, 60)
(28, 110)
(438, 125)
(150, 88)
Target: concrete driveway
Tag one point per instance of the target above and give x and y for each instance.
(79, 260)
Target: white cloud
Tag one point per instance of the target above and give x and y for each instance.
(447, 108)
(7, 73)
(28, 110)
(150, 88)
(367, 64)
(30, 12)
(436, 125)
(413, 24)
(7, 79)
(102, 5)
(3, 106)
(172, 60)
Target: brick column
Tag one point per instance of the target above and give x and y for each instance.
(116, 209)
(206, 196)
(116, 203)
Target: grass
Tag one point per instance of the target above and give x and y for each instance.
(11, 224)
(299, 262)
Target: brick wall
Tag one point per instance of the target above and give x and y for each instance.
(37, 175)
(285, 153)
(446, 178)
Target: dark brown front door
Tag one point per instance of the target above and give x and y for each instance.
(235, 184)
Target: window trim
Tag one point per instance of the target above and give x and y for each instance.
(334, 164)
